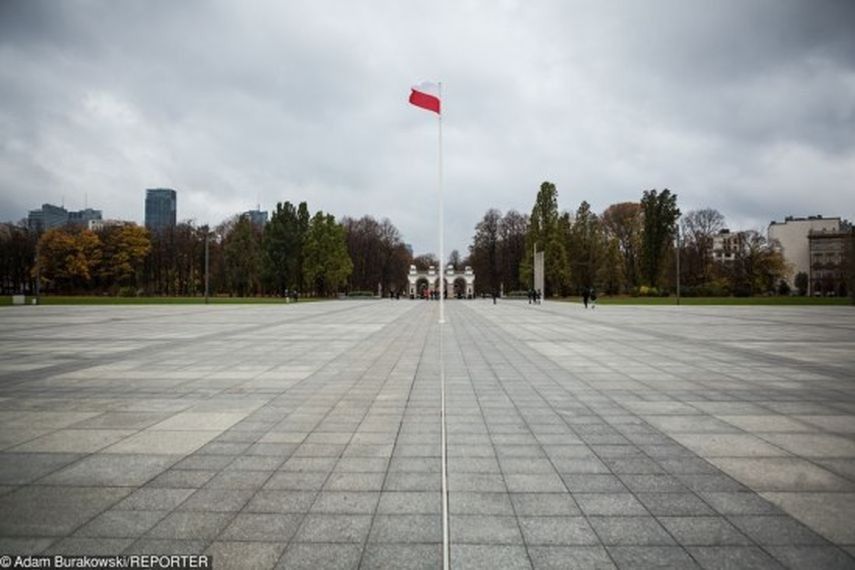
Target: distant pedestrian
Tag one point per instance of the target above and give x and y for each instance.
(538, 296)
(494, 297)
(586, 294)
(593, 298)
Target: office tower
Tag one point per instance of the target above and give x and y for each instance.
(160, 209)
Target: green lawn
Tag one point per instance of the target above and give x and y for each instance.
(605, 300)
(104, 300)
(623, 300)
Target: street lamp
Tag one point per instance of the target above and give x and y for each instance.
(678, 263)
(207, 234)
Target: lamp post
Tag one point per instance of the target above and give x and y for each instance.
(678, 264)
(38, 280)
(207, 234)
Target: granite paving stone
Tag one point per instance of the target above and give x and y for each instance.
(309, 556)
(251, 555)
(262, 527)
(334, 528)
(191, 525)
(825, 557)
(500, 557)
(570, 558)
(642, 530)
(703, 531)
(381, 556)
(307, 435)
(406, 528)
(726, 557)
(121, 524)
(651, 557)
(557, 531)
(776, 530)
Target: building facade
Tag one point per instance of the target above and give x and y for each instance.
(459, 284)
(791, 236)
(827, 274)
(257, 217)
(98, 225)
(726, 244)
(161, 208)
(50, 216)
(83, 217)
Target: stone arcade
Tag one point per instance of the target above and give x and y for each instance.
(459, 284)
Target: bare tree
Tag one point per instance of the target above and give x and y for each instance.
(484, 251)
(454, 259)
(699, 228)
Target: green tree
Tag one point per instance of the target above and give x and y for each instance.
(801, 283)
(302, 235)
(327, 264)
(585, 248)
(624, 223)
(660, 224)
(242, 251)
(545, 233)
(611, 275)
(17, 258)
(512, 230)
(282, 245)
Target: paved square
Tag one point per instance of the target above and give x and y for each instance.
(309, 435)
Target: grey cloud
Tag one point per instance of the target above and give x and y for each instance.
(748, 107)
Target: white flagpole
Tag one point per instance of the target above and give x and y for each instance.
(441, 243)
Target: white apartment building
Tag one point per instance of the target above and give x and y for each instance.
(792, 238)
(725, 245)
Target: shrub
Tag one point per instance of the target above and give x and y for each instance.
(645, 291)
(801, 282)
(361, 294)
(716, 288)
(127, 292)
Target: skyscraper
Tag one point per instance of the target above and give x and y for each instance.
(160, 209)
(257, 217)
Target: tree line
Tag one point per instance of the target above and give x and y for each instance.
(294, 253)
(629, 248)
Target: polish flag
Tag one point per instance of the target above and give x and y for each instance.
(426, 96)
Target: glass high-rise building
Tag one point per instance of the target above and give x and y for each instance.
(257, 217)
(161, 205)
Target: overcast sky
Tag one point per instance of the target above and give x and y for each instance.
(745, 106)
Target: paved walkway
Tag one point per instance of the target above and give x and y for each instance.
(308, 436)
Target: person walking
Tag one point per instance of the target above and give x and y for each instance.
(593, 299)
(585, 295)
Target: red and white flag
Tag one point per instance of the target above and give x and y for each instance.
(426, 96)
